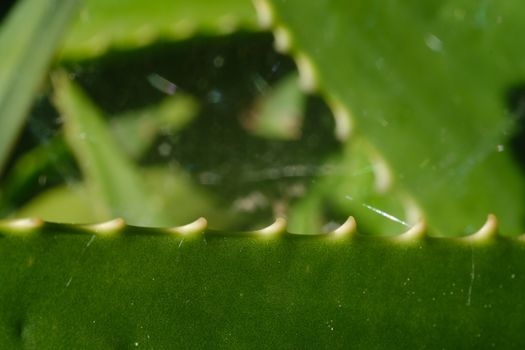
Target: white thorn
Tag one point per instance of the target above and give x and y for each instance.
(307, 75)
(283, 39)
(413, 212)
(278, 227)
(346, 229)
(22, 225)
(107, 227)
(343, 120)
(487, 231)
(195, 227)
(415, 233)
(264, 13)
(382, 174)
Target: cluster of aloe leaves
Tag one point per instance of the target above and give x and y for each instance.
(122, 122)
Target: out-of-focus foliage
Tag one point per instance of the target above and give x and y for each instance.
(28, 40)
(176, 93)
(425, 83)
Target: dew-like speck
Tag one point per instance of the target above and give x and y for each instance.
(513, 276)
(42, 180)
(433, 42)
(162, 84)
(218, 61)
(380, 63)
(214, 96)
(164, 149)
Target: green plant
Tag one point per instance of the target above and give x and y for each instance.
(427, 147)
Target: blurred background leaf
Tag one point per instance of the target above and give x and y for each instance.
(28, 40)
(105, 24)
(426, 84)
(165, 112)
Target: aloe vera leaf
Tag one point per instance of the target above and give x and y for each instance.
(136, 287)
(306, 215)
(136, 130)
(425, 82)
(28, 39)
(170, 186)
(65, 203)
(350, 184)
(167, 188)
(112, 178)
(35, 168)
(279, 112)
(113, 24)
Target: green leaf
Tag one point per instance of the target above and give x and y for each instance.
(48, 162)
(278, 114)
(28, 39)
(67, 287)
(167, 188)
(105, 24)
(136, 130)
(67, 203)
(114, 180)
(425, 83)
(348, 185)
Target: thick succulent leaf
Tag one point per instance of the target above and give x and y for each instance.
(114, 180)
(28, 39)
(168, 187)
(125, 287)
(425, 82)
(66, 203)
(51, 162)
(107, 24)
(32, 170)
(350, 183)
(171, 186)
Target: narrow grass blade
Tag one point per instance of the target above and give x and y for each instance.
(28, 40)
